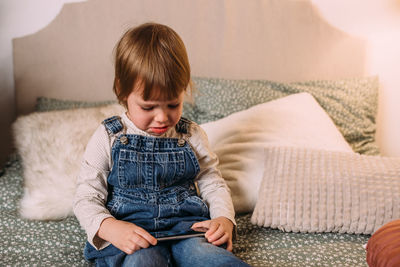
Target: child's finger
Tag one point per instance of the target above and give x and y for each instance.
(130, 248)
(201, 226)
(229, 245)
(222, 240)
(146, 235)
(139, 241)
(211, 230)
(218, 234)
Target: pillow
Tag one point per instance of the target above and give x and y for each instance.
(51, 145)
(239, 140)
(312, 190)
(383, 248)
(351, 103)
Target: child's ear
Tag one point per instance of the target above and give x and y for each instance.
(117, 86)
(117, 91)
(189, 96)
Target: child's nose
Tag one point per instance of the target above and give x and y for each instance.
(161, 116)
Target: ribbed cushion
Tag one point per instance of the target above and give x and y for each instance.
(309, 190)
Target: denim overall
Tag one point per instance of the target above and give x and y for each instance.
(151, 183)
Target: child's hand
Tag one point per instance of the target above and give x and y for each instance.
(126, 236)
(219, 231)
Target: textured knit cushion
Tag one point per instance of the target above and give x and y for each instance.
(352, 103)
(308, 190)
(383, 248)
(239, 140)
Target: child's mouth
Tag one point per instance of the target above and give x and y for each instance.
(159, 130)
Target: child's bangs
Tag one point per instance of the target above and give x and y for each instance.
(159, 86)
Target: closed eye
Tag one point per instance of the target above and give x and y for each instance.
(147, 108)
(174, 106)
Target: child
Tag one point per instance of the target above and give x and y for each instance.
(140, 170)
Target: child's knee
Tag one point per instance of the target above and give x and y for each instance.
(151, 257)
(200, 247)
(198, 252)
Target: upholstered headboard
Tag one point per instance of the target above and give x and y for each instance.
(277, 40)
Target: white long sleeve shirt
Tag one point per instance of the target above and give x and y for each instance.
(91, 194)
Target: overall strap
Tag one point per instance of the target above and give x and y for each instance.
(183, 125)
(113, 125)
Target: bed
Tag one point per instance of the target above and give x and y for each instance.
(295, 137)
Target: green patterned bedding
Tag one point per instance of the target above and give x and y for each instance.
(60, 243)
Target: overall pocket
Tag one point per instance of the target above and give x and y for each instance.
(194, 206)
(155, 170)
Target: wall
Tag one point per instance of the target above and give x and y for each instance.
(17, 18)
(378, 22)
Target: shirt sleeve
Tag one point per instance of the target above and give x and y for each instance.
(91, 193)
(213, 188)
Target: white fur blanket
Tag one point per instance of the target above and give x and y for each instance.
(309, 190)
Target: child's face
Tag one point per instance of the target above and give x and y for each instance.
(154, 116)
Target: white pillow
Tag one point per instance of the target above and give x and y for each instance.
(51, 145)
(239, 140)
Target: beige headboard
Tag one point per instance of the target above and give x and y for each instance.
(283, 40)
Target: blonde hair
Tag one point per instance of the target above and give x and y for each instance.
(152, 56)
